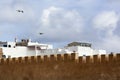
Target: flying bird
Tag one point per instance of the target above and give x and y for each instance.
(20, 11)
(40, 33)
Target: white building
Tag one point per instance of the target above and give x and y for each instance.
(28, 48)
(21, 49)
(82, 50)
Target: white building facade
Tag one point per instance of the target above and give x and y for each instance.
(28, 48)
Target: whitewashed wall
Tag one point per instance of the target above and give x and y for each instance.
(25, 51)
(18, 52)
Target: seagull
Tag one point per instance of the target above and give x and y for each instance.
(20, 11)
(40, 33)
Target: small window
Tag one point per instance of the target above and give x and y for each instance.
(4, 45)
(84, 55)
(3, 56)
(9, 56)
(74, 51)
(9, 45)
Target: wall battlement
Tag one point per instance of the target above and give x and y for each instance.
(73, 57)
(61, 67)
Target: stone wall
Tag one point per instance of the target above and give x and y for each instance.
(1, 53)
(61, 67)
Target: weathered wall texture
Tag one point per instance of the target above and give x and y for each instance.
(61, 67)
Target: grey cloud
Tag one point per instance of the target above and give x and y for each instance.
(110, 43)
(61, 24)
(9, 14)
(107, 22)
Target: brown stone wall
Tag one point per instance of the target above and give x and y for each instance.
(1, 52)
(61, 67)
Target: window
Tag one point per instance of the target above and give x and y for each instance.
(9, 45)
(4, 45)
(9, 56)
(3, 56)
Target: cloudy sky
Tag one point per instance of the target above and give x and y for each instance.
(62, 21)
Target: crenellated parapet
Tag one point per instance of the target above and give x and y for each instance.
(106, 58)
(38, 59)
(73, 57)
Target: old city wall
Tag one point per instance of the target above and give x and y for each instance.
(61, 67)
